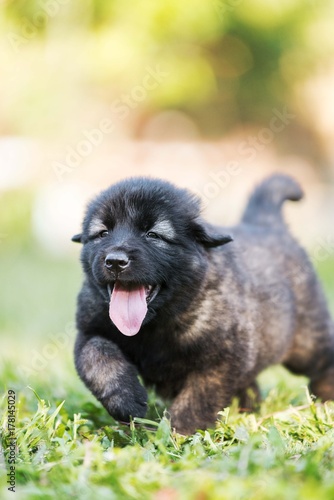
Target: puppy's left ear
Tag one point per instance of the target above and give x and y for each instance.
(77, 238)
(208, 237)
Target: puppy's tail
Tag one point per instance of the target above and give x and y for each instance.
(264, 206)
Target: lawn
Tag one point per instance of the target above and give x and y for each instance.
(67, 446)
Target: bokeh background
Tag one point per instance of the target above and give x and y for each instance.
(211, 95)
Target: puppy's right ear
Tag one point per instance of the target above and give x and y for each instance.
(208, 236)
(77, 238)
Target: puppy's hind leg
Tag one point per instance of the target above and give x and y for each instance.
(312, 349)
(322, 385)
(249, 398)
(201, 397)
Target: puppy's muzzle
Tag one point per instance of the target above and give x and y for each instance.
(116, 261)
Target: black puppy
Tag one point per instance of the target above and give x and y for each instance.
(164, 297)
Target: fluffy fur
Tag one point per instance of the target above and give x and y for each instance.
(223, 311)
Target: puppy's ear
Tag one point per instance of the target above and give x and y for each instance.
(77, 238)
(208, 237)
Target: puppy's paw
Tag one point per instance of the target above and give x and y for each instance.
(126, 402)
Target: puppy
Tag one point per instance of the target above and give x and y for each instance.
(196, 313)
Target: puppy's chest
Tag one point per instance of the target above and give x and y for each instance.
(158, 367)
(157, 359)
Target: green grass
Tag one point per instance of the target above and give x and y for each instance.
(284, 451)
(69, 447)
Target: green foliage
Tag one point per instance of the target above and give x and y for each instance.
(15, 218)
(228, 61)
(285, 454)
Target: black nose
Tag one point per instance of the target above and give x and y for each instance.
(116, 261)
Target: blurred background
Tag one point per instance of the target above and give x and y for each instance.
(211, 95)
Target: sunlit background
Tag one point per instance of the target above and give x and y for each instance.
(212, 95)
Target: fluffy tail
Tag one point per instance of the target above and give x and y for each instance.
(264, 206)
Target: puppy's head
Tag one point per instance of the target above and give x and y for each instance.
(145, 246)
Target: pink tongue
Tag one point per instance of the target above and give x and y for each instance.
(127, 309)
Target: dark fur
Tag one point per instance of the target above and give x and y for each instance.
(223, 314)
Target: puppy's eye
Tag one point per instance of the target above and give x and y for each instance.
(103, 234)
(152, 235)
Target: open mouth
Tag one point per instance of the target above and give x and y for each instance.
(151, 291)
(128, 305)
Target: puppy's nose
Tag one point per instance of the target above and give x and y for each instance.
(117, 261)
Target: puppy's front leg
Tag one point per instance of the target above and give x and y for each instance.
(202, 396)
(111, 378)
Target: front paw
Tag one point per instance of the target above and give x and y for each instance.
(126, 402)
